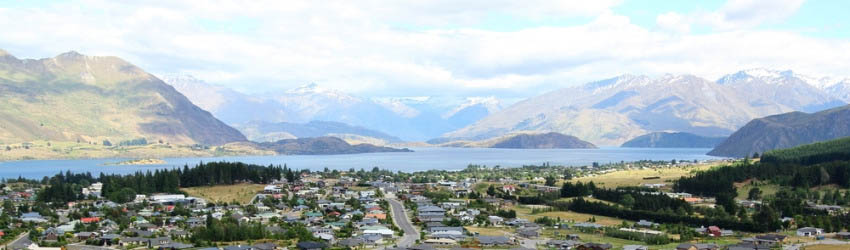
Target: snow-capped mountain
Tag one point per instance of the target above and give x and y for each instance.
(410, 118)
(490, 104)
(797, 91)
(840, 90)
(611, 111)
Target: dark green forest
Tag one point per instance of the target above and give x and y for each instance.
(65, 187)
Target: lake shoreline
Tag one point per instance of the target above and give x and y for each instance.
(422, 159)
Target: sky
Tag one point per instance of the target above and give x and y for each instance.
(501, 48)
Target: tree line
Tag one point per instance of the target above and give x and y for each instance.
(65, 187)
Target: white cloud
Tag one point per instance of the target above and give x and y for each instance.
(736, 14)
(673, 21)
(369, 47)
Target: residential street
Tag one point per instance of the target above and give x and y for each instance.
(402, 221)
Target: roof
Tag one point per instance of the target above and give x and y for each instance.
(494, 240)
(239, 247)
(310, 245)
(351, 242)
(809, 229)
(265, 246)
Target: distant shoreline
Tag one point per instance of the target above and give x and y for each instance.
(148, 161)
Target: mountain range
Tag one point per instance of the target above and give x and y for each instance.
(409, 118)
(672, 140)
(259, 131)
(612, 111)
(786, 131)
(73, 97)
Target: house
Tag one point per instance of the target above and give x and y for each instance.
(747, 246)
(446, 230)
(431, 210)
(809, 232)
(495, 220)
(562, 244)
(378, 230)
(176, 245)
(769, 239)
(635, 247)
(88, 220)
(692, 246)
(442, 241)
(159, 241)
(52, 234)
(264, 246)
(373, 240)
(714, 231)
(85, 235)
(351, 242)
(137, 241)
(529, 232)
(594, 246)
(491, 241)
(587, 225)
(509, 189)
(646, 223)
(310, 245)
(238, 247)
(32, 217)
(380, 216)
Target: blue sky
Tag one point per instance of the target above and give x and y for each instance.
(501, 48)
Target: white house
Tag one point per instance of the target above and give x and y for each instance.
(809, 231)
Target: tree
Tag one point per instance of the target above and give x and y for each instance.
(491, 190)
(550, 181)
(627, 200)
(107, 143)
(755, 194)
(824, 176)
(727, 201)
(767, 219)
(8, 148)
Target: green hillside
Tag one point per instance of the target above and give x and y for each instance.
(811, 153)
(88, 99)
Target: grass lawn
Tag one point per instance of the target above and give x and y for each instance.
(634, 177)
(241, 193)
(491, 231)
(745, 187)
(525, 213)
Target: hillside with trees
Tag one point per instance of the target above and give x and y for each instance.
(785, 131)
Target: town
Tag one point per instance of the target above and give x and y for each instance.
(478, 207)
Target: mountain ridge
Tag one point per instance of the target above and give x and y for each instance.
(672, 140)
(785, 131)
(74, 97)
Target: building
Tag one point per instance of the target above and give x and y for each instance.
(809, 232)
(698, 246)
(492, 241)
(594, 246)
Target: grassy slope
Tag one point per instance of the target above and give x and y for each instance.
(73, 97)
(634, 177)
(241, 193)
(73, 150)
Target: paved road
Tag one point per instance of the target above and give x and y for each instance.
(400, 219)
(22, 240)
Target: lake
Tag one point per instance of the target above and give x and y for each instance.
(420, 160)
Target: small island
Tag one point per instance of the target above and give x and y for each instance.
(149, 161)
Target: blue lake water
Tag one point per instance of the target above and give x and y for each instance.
(420, 160)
